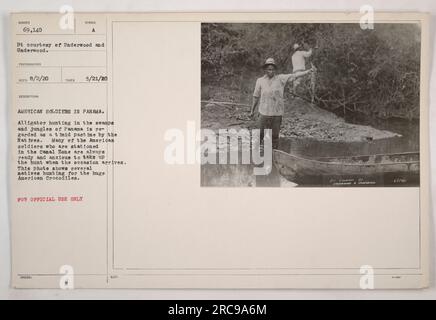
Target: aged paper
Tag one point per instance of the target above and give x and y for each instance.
(109, 111)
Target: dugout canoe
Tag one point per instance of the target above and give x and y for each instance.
(297, 168)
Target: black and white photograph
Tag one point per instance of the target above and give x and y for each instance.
(311, 104)
(282, 151)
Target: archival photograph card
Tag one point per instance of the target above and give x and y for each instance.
(219, 150)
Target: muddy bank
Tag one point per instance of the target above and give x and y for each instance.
(301, 120)
(304, 120)
(306, 131)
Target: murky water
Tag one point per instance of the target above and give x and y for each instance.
(408, 142)
(241, 175)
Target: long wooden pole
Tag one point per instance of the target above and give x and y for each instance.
(226, 103)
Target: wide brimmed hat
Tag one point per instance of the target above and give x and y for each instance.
(270, 62)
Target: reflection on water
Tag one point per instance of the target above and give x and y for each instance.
(242, 175)
(408, 142)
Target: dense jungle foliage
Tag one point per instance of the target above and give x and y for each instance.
(373, 72)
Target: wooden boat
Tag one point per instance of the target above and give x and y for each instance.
(377, 167)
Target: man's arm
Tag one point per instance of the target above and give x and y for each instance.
(256, 96)
(299, 74)
(254, 105)
(293, 76)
